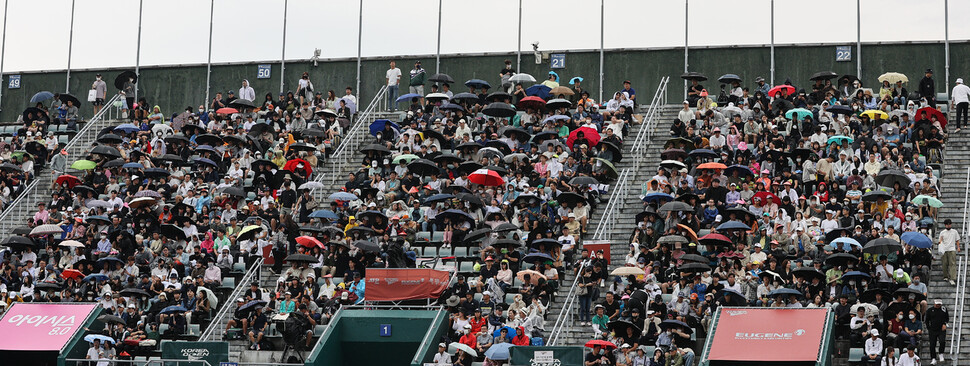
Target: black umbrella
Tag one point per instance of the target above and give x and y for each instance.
(10, 168)
(499, 109)
(241, 103)
(906, 292)
(297, 257)
(469, 167)
(132, 292)
(873, 196)
(643, 214)
(123, 77)
(455, 216)
(367, 246)
(620, 326)
(22, 230)
(109, 138)
(583, 180)
(823, 75)
(470, 146)
(505, 227)
(18, 242)
(693, 75)
(376, 149)
(570, 199)
(516, 133)
(64, 97)
(694, 268)
(841, 259)
(510, 244)
(729, 78)
(441, 78)
(48, 286)
(696, 258)
(314, 132)
(36, 112)
(108, 318)
(674, 323)
(106, 151)
(234, 191)
(889, 177)
(808, 273)
(251, 306)
(445, 158)
(465, 97)
(363, 231)
(882, 246)
(373, 218)
(527, 199)
(429, 133)
(837, 233)
(472, 199)
(870, 295)
(477, 234)
(208, 139)
(176, 138)
(423, 167)
(675, 206)
(498, 96)
(548, 243)
(741, 213)
(847, 79)
(172, 232)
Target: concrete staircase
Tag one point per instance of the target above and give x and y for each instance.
(573, 333)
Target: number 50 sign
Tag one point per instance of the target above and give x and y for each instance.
(264, 71)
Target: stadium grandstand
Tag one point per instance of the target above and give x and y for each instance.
(492, 211)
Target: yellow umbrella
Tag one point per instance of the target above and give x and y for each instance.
(893, 77)
(875, 114)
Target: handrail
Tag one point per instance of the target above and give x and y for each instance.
(646, 131)
(424, 340)
(604, 228)
(661, 101)
(959, 300)
(211, 333)
(18, 208)
(565, 313)
(356, 134)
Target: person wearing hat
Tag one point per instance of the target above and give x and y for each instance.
(600, 320)
(442, 357)
(937, 320)
(873, 347)
(927, 88)
(949, 246)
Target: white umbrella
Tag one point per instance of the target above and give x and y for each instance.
(46, 230)
(455, 346)
(871, 310)
(71, 244)
(522, 78)
(311, 185)
(141, 201)
(165, 129)
(731, 111)
(213, 300)
(436, 96)
(350, 104)
(98, 203)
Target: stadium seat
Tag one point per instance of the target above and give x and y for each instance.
(318, 330)
(855, 355)
(466, 267)
(438, 237)
(162, 328)
(478, 296)
(509, 298)
(238, 267)
(460, 252)
(194, 330)
(422, 236)
(228, 282)
(431, 252)
(667, 297)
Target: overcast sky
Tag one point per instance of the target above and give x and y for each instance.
(177, 31)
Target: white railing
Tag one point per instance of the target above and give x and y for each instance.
(565, 317)
(959, 299)
(14, 214)
(354, 136)
(212, 333)
(604, 228)
(649, 119)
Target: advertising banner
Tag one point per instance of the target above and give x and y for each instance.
(751, 334)
(395, 284)
(212, 352)
(41, 326)
(545, 356)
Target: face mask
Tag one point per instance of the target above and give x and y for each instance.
(865, 282)
(900, 317)
(851, 283)
(912, 316)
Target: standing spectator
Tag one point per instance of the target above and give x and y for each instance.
(247, 92)
(100, 89)
(393, 79)
(960, 99)
(927, 89)
(949, 246)
(909, 358)
(305, 88)
(418, 78)
(936, 324)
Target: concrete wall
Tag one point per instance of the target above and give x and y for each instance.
(176, 87)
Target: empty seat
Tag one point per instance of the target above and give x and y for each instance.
(228, 282)
(438, 236)
(239, 267)
(319, 329)
(466, 267)
(460, 252)
(422, 236)
(194, 330)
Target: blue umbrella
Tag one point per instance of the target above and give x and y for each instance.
(41, 96)
(350, 104)
(537, 257)
(498, 352)
(174, 309)
(657, 198)
(785, 292)
(847, 243)
(324, 214)
(378, 126)
(438, 198)
(206, 161)
(103, 338)
(733, 225)
(343, 196)
(575, 79)
(95, 277)
(407, 97)
(538, 90)
(741, 169)
(477, 83)
(917, 239)
(498, 331)
(133, 166)
(127, 128)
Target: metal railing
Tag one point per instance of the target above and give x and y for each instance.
(355, 135)
(959, 299)
(165, 362)
(604, 228)
(649, 123)
(565, 317)
(14, 214)
(211, 333)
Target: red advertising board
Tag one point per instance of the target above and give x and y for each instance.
(41, 326)
(597, 245)
(395, 284)
(751, 334)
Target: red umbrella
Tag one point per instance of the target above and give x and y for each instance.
(70, 179)
(930, 111)
(72, 273)
(590, 134)
(601, 343)
(788, 88)
(294, 164)
(309, 241)
(715, 239)
(532, 102)
(712, 166)
(764, 196)
(486, 177)
(226, 110)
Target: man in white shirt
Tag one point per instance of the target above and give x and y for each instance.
(246, 91)
(873, 348)
(960, 99)
(685, 115)
(949, 246)
(717, 140)
(393, 77)
(442, 357)
(909, 358)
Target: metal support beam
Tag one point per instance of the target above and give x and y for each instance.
(3, 48)
(946, 42)
(772, 42)
(70, 48)
(518, 50)
(286, 4)
(686, 42)
(360, 31)
(208, 64)
(437, 57)
(602, 31)
(858, 35)
(141, 3)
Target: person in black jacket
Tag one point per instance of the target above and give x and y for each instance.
(927, 88)
(936, 323)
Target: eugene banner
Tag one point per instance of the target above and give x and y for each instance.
(396, 284)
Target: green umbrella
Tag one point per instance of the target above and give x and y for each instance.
(406, 158)
(83, 165)
(608, 167)
(798, 114)
(841, 140)
(927, 200)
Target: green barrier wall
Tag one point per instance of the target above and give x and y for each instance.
(175, 87)
(77, 348)
(211, 352)
(355, 338)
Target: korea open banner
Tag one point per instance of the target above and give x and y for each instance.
(768, 334)
(404, 284)
(41, 327)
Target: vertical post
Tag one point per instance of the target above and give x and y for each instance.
(360, 30)
(686, 32)
(138, 53)
(946, 41)
(858, 35)
(3, 48)
(286, 4)
(208, 64)
(602, 27)
(772, 42)
(437, 58)
(70, 46)
(518, 50)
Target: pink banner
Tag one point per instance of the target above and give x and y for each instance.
(41, 327)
